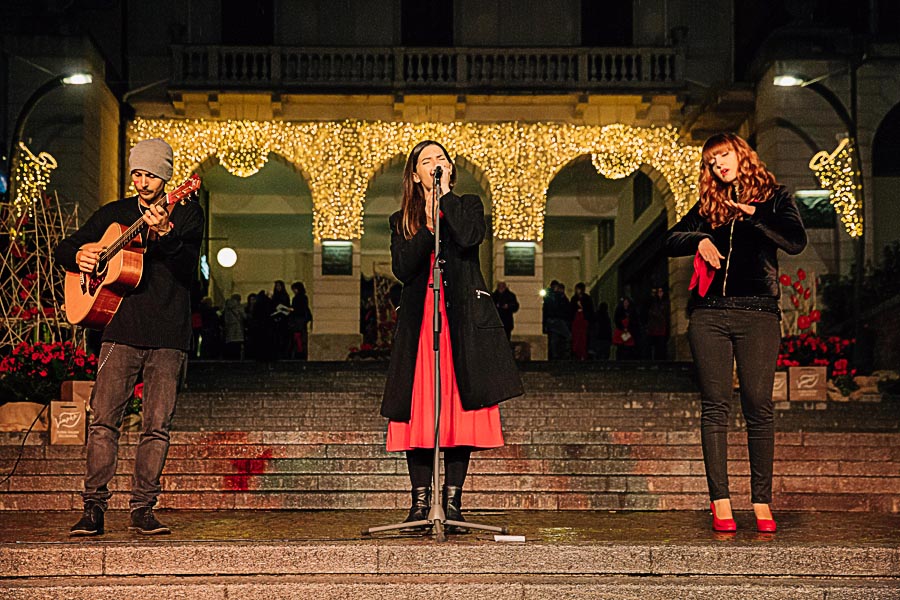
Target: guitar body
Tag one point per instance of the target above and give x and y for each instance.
(92, 300)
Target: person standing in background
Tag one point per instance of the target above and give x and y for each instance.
(507, 305)
(233, 318)
(581, 307)
(301, 317)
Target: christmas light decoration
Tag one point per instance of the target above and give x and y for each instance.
(836, 173)
(32, 174)
(518, 160)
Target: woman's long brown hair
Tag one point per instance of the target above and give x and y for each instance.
(754, 181)
(412, 208)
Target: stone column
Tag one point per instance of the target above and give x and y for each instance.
(527, 290)
(680, 271)
(335, 307)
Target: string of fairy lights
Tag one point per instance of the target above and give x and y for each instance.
(518, 160)
(338, 160)
(30, 179)
(836, 173)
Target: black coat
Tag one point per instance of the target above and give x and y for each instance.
(486, 373)
(750, 245)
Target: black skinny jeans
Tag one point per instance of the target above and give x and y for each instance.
(719, 338)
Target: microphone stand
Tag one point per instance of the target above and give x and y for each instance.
(436, 519)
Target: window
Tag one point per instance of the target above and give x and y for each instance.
(606, 235)
(606, 22)
(248, 22)
(426, 24)
(642, 191)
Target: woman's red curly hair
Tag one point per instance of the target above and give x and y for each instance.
(754, 180)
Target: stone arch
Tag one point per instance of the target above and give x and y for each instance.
(885, 194)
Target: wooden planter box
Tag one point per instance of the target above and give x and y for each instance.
(780, 388)
(68, 417)
(808, 384)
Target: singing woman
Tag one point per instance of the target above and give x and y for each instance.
(477, 370)
(734, 233)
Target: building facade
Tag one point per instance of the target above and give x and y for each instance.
(577, 122)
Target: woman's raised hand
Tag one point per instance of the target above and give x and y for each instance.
(710, 253)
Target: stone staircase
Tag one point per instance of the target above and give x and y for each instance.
(585, 436)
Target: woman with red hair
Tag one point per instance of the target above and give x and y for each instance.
(734, 233)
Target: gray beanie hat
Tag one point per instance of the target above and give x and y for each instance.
(154, 156)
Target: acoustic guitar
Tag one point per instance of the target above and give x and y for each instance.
(92, 299)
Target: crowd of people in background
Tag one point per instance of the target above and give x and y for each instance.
(275, 326)
(578, 330)
(267, 327)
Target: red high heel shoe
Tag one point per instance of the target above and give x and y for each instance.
(722, 525)
(766, 525)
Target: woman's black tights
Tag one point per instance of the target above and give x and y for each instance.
(421, 460)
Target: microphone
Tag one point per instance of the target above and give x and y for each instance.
(438, 171)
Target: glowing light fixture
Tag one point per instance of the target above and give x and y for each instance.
(226, 257)
(78, 79)
(788, 81)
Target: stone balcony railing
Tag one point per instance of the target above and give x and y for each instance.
(454, 70)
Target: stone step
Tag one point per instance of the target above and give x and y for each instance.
(545, 470)
(564, 411)
(429, 587)
(346, 376)
(583, 554)
(234, 543)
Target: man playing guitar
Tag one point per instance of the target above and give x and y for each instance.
(150, 332)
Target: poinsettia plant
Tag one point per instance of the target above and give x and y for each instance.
(810, 350)
(802, 294)
(833, 352)
(35, 372)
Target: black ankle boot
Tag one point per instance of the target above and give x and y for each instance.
(91, 522)
(451, 501)
(144, 522)
(421, 504)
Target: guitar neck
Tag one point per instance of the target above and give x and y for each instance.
(129, 234)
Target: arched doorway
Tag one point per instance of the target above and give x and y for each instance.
(267, 219)
(607, 233)
(885, 197)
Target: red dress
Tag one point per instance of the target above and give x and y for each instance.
(477, 428)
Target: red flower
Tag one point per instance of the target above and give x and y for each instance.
(806, 294)
(785, 280)
(815, 316)
(803, 322)
(798, 286)
(801, 274)
(139, 391)
(796, 301)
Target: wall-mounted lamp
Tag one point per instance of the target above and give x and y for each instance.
(226, 257)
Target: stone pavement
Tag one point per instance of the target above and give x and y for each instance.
(568, 554)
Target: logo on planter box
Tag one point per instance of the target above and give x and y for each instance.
(807, 380)
(68, 420)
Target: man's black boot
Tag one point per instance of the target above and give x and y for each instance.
(91, 522)
(144, 522)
